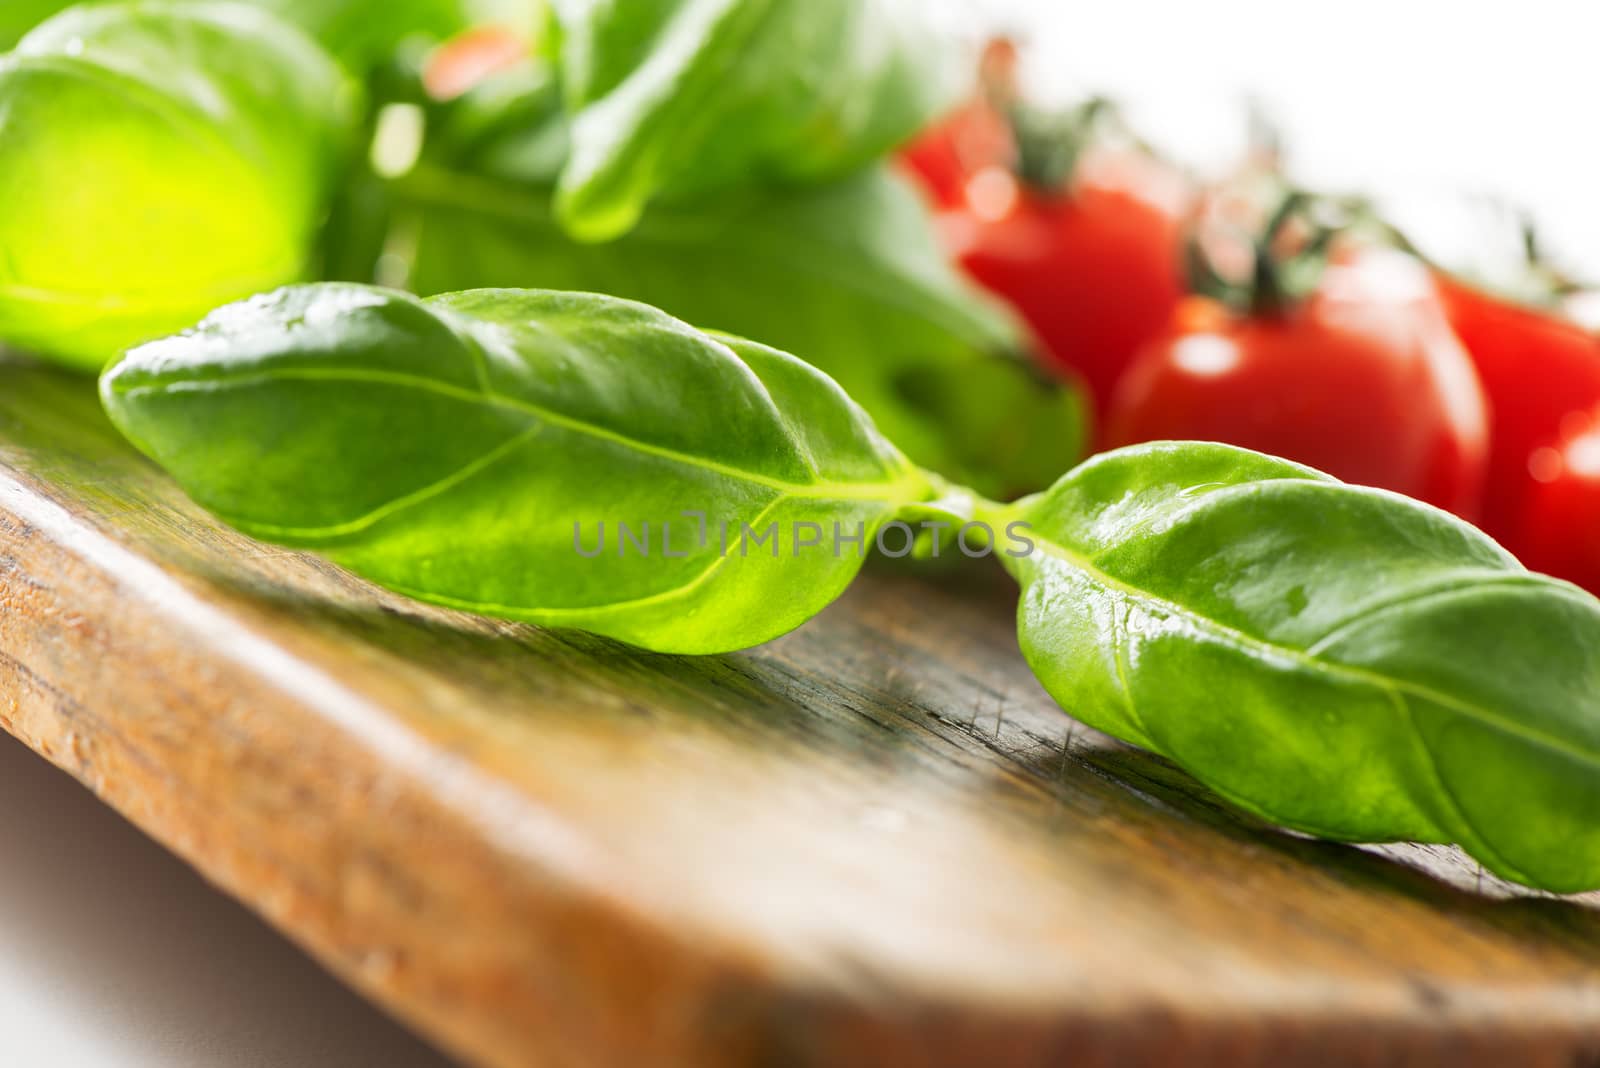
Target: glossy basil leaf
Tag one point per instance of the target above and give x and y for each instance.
(465, 450)
(160, 158)
(1337, 659)
(846, 276)
(673, 98)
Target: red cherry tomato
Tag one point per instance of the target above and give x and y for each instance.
(1093, 269)
(1539, 373)
(1088, 252)
(1363, 379)
(1557, 528)
(972, 138)
(967, 142)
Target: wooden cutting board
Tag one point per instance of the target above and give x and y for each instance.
(873, 842)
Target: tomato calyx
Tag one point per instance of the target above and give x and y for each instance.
(1264, 270)
(1050, 142)
(1042, 146)
(1552, 284)
(1534, 281)
(1495, 249)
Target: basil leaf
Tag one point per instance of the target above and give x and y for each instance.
(847, 276)
(510, 126)
(361, 32)
(1337, 659)
(17, 17)
(463, 449)
(680, 97)
(222, 124)
(357, 31)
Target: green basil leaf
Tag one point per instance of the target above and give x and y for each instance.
(463, 449)
(510, 126)
(1337, 659)
(222, 124)
(357, 31)
(361, 32)
(17, 17)
(679, 97)
(847, 276)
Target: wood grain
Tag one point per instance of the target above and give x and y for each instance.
(873, 842)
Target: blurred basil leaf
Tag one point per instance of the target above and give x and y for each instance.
(357, 31)
(675, 98)
(361, 32)
(160, 158)
(17, 17)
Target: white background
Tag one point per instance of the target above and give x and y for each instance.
(1416, 100)
(113, 955)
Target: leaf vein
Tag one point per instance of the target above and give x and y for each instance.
(899, 491)
(549, 616)
(1351, 672)
(416, 497)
